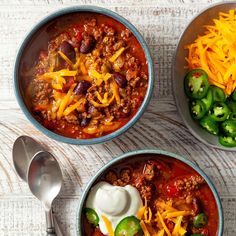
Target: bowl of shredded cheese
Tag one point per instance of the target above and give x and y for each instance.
(207, 45)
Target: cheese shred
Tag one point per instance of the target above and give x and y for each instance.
(165, 213)
(215, 52)
(108, 226)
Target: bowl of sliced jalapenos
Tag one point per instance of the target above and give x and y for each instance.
(204, 77)
(211, 108)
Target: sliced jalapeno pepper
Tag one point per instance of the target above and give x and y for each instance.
(219, 111)
(91, 216)
(196, 84)
(200, 220)
(229, 128)
(233, 116)
(218, 94)
(208, 100)
(232, 106)
(227, 141)
(234, 95)
(197, 109)
(210, 125)
(129, 226)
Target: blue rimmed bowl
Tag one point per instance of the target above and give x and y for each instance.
(142, 155)
(29, 41)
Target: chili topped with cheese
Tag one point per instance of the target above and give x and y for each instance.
(92, 79)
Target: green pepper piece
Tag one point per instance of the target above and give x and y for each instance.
(234, 95)
(196, 235)
(208, 100)
(200, 220)
(219, 111)
(233, 116)
(229, 128)
(197, 109)
(218, 94)
(129, 226)
(209, 125)
(196, 84)
(232, 106)
(91, 216)
(227, 141)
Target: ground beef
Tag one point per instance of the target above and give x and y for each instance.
(125, 175)
(189, 184)
(124, 178)
(126, 34)
(111, 177)
(146, 191)
(72, 119)
(149, 171)
(40, 92)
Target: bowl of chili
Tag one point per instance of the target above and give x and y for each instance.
(83, 75)
(177, 198)
(203, 85)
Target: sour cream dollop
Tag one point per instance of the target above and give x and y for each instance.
(114, 202)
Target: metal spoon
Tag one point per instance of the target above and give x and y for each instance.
(24, 149)
(45, 181)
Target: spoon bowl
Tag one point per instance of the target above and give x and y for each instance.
(45, 178)
(24, 148)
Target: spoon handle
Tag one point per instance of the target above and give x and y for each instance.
(50, 224)
(57, 227)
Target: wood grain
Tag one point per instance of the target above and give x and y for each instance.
(161, 23)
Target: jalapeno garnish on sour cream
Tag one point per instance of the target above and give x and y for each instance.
(113, 203)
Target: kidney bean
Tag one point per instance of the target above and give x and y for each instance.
(68, 50)
(170, 225)
(82, 87)
(67, 85)
(120, 80)
(196, 206)
(85, 122)
(87, 44)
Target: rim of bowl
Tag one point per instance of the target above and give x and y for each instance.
(155, 152)
(115, 16)
(174, 81)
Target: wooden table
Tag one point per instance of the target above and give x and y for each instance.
(161, 23)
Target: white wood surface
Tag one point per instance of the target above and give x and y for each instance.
(161, 23)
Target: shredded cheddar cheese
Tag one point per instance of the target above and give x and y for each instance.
(163, 224)
(165, 212)
(117, 54)
(65, 101)
(115, 90)
(108, 226)
(144, 228)
(83, 68)
(215, 52)
(71, 108)
(161, 232)
(65, 58)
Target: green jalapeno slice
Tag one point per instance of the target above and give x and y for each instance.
(196, 84)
